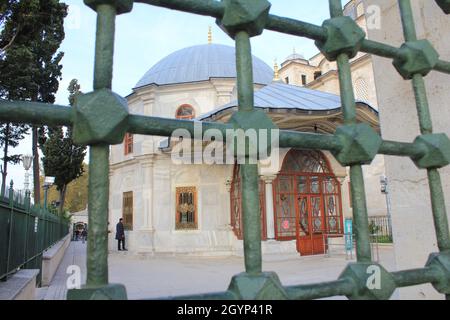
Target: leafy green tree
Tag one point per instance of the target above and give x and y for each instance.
(10, 134)
(30, 69)
(5, 12)
(76, 194)
(62, 158)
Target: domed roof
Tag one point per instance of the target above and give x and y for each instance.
(295, 56)
(201, 63)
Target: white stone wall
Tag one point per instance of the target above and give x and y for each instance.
(154, 186)
(214, 232)
(414, 234)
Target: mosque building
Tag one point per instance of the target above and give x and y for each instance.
(195, 209)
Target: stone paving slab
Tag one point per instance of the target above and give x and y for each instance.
(17, 282)
(153, 277)
(149, 277)
(57, 290)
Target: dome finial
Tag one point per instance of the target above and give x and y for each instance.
(209, 35)
(276, 70)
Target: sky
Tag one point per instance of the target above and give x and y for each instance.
(148, 34)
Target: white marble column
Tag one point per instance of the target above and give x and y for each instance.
(270, 218)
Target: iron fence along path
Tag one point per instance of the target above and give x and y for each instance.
(381, 229)
(26, 231)
(101, 118)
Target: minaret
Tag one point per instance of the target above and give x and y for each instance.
(210, 35)
(276, 76)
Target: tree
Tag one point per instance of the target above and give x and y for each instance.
(5, 12)
(62, 158)
(10, 136)
(74, 89)
(31, 34)
(76, 193)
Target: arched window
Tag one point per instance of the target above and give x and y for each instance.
(185, 112)
(298, 161)
(236, 205)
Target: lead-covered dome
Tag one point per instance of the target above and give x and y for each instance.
(201, 63)
(295, 56)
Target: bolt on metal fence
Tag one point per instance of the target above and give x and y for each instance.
(353, 144)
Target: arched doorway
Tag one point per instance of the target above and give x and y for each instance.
(78, 228)
(307, 201)
(236, 205)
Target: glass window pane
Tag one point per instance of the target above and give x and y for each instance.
(315, 186)
(286, 216)
(302, 184)
(329, 185)
(304, 220)
(316, 214)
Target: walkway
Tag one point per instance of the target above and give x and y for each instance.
(75, 255)
(155, 277)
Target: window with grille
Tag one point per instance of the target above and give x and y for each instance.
(127, 210)
(236, 205)
(128, 144)
(185, 112)
(186, 209)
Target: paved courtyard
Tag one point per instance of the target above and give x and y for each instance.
(155, 277)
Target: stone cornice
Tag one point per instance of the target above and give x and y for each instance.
(268, 179)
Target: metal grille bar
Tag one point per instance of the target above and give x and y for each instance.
(352, 282)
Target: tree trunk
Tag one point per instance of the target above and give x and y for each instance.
(36, 181)
(62, 198)
(5, 160)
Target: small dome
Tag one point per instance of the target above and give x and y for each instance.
(295, 56)
(201, 63)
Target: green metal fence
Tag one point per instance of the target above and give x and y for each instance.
(26, 231)
(381, 229)
(100, 119)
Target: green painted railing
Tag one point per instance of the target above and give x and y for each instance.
(26, 231)
(101, 119)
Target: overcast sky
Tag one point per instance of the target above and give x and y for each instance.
(148, 34)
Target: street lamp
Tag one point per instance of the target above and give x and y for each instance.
(48, 181)
(26, 161)
(385, 190)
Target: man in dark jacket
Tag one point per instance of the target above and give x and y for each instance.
(120, 235)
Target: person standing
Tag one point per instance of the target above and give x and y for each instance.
(83, 235)
(120, 235)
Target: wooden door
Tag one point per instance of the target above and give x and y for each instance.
(310, 223)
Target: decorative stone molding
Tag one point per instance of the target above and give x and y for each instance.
(268, 179)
